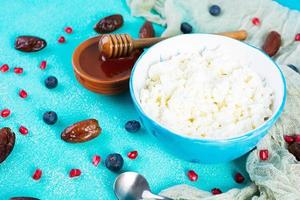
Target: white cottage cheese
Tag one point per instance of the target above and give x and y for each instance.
(206, 95)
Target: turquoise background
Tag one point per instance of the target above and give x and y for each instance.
(42, 147)
(293, 4)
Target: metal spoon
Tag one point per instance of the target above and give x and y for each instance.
(133, 186)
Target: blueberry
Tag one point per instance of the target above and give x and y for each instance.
(114, 162)
(132, 126)
(293, 67)
(215, 10)
(51, 82)
(50, 117)
(186, 28)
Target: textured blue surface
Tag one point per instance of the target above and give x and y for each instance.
(42, 147)
(293, 4)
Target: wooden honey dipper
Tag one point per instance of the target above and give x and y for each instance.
(122, 45)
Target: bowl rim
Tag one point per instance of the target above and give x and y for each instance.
(259, 130)
(78, 69)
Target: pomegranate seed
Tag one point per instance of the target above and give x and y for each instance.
(96, 160)
(216, 191)
(297, 138)
(193, 176)
(4, 68)
(37, 174)
(74, 173)
(23, 94)
(132, 155)
(18, 70)
(23, 130)
(43, 64)
(297, 37)
(256, 21)
(288, 139)
(61, 39)
(68, 29)
(239, 178)
(5, 113)
(264, 154)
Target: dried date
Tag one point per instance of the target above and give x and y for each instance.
(7, 142)
(82, 131)
(294, 149)
(109, 24)
(30, 43)
(147, 30)
(272, 43)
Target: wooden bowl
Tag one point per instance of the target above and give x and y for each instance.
(93, 83)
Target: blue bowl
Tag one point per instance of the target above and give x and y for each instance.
(208, 150)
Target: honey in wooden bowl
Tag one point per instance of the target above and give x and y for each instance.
(100, 75)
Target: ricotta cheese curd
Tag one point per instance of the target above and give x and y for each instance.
(206, 94)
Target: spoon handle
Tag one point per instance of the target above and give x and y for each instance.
(121, 45)
(148, 195)
(238, 35)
